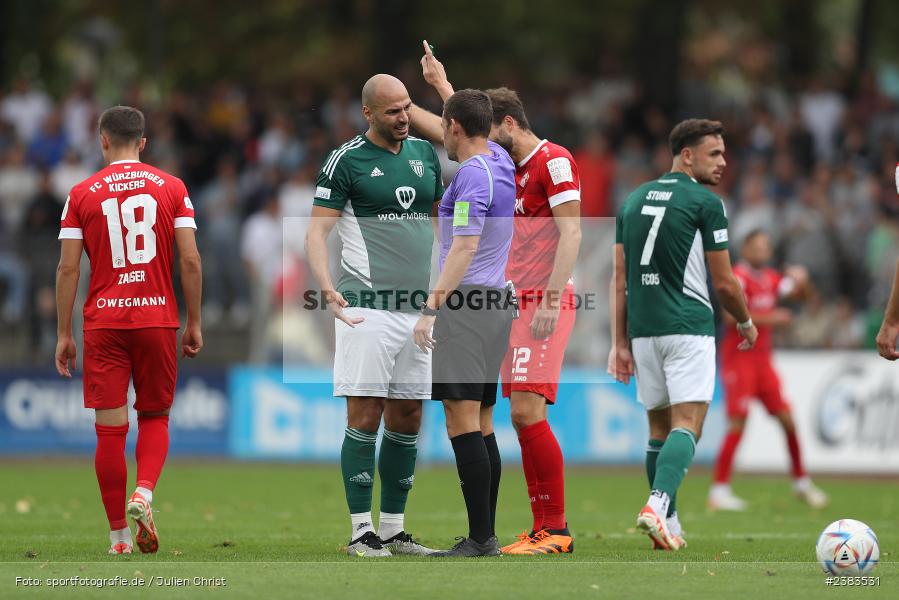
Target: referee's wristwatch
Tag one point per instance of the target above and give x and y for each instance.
(745, 324)
(428, 311)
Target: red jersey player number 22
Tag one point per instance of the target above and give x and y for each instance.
(126, 215)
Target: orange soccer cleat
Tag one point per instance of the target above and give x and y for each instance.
(655, 527)
(547, 541)
(523, 538)
(139, 510)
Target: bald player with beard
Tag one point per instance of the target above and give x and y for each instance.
(379, 190)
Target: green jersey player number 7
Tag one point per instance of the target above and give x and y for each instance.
(663, 327)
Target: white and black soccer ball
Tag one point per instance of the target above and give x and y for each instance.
(847, 547)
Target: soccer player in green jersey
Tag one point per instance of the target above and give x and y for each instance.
(663, 327)
(379, 190)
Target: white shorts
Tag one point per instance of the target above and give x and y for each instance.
(672, 369)
(378, 358)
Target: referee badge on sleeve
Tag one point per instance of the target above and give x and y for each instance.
(460, 214)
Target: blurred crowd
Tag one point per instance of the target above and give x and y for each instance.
(812, 167)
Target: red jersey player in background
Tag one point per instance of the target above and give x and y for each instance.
(544, 250)
(127, 217)
(751, 374)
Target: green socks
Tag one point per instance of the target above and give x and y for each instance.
(396, 466)
(652, 455)
(672, 462)
(357, 462)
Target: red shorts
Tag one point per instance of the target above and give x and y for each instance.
(533, 365)
(114, 356)
(747, 379)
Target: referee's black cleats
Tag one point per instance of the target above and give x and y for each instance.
(467, 547)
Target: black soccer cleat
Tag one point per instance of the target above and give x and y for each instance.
(467, 547)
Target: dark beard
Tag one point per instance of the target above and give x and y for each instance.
(388, 133)
(505, 142)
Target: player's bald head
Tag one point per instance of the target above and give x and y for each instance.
(382, 89)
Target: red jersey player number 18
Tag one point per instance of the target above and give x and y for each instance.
(128, 217)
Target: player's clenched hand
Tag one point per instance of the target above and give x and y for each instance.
(191, 341)
(336, 302)
(65, 355)
(886, 340)
(433, 70)
(621, 364)
(750, 335)
(544, 322)
(421, 333)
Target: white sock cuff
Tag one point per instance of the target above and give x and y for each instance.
(361, 522)
(120, 536)
(147, 494)
(391, 517)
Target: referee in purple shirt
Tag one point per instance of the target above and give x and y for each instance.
(470, 310)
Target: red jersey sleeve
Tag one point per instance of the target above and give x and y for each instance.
(184, 209)
(70, 223)
(560, 178)
(784, 284)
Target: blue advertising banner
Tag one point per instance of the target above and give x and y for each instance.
(596, 420)
(42, 413)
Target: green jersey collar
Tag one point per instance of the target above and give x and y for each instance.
(672, 176)
(381, 148)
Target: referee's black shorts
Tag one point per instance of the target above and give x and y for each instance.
(471, 335)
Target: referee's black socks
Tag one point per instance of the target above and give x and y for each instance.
(496, 469)
(473, 464)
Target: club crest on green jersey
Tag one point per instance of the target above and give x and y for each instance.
(405, 195)
(418, 167)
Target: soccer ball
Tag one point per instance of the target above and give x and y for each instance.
(847, 547)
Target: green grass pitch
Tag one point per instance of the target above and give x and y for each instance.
(277, 530)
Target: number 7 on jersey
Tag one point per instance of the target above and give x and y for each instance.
(657, 213)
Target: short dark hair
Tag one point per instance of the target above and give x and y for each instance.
(123, 125)
(507, 103)
(472, 110)
(690, 132)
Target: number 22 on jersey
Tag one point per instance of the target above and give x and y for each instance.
(126, 216)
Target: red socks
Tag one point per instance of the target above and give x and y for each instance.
(725, 463)
(531, 478)
(540, 448)
(795, 455)
(152, 448)
(112, 472)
